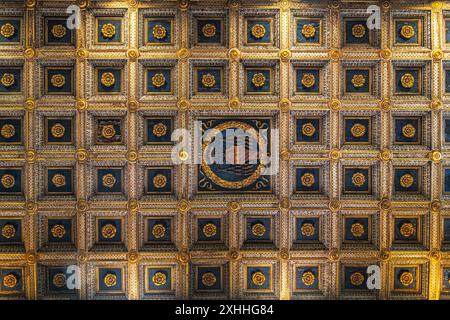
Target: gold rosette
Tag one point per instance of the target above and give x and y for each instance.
(159, 129)
(258, 80)
(109, 231)
(8, 131)
(58, 231)
(358, 80)
(258, 229)
(409, 131)
(358, 130)
(308, 30)
(8, 231)
(58, 130)
(308, 278)
(209, 30)
(356, 278)
(407, 229)
(358, 179)
(406, 278)
(258, 278)
(59, 280)
(407, 31)
(407, 80)
(159, 181)
(307, 229)
(10, 281)
(258, 31)
(108, 131)
(108, 79)
(159, 32)
(58, 31)
(58, 80)
(209, 230)
(406, 180)
(7, 79)
(209, 279)
(358, 31)
(308, 80)
(7, 30)
(59, 180)
(108, 30)
(208, 80)
(308, 180)
(158, 231)
(8, 181)
(357, 229)
(159, 279)
(158, 80)
(108, 180)
(308, 129)
(110, 280)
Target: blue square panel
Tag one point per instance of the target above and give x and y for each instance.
(446, 230)
(446, 180)
(407, 180)
(159, 230)
(11, 280)
(159, 81)
(209, 278)
(447, 130)
(447, 81)
(159, 180)
(109, 30)
(406, 278)
(408, 130)
(209, 80)
(10, 30)
(258, 81)
(408, 81)
(406, 229)
(209, 229)
(259, 31)
(10, 231)
(357, 180)
(259, 278)
(109, 230)
(210, 31)
(109, 81)
(308, 31)
(159, 31)
(59, 81)
(60, 181)
(158, 130)
(10, 131)
(60, 230)
(10, 80)
(356, 32)
(57, 278)
(307, 81)
(357, 130)
(355, 278)
(408, 31)
(159, 279)
(110, 280)
(59, 130)
(358, 81)
(109, 180)
(308, 130)
(308, 180)
(357, 229)
(307, 229)
(259, 229)
(307, 278)
(447, 30)
(446, 279)
(57, 33)
(11, 181)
